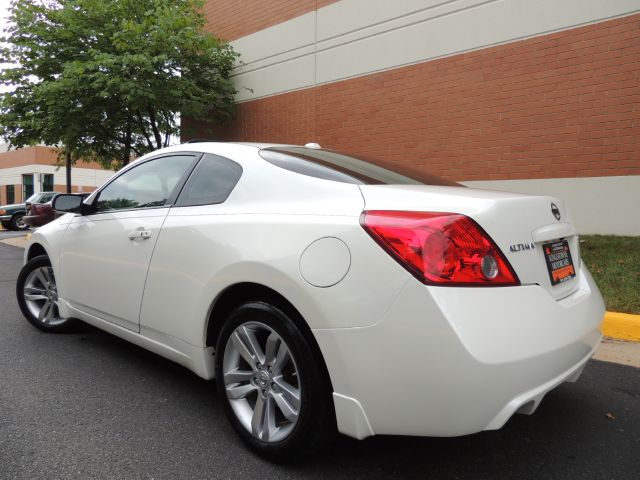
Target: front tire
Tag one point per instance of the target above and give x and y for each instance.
(274, 393)
(37, 295)
(17, 223)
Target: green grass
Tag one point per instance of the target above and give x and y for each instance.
(614, 263)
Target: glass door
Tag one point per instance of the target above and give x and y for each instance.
(47, 182)
(27, 186)
(11, 194)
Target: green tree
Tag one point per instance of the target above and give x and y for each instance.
(108, 79)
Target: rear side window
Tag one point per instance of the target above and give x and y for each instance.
(340, 167)
(211, 182)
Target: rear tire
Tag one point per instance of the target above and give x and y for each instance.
(17, 223)
(274, 394)
(37, 295)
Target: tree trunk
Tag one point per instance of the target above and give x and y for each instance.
(154, 126)
(68, 171)
(127, 147)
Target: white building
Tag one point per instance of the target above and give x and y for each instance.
(26, 171)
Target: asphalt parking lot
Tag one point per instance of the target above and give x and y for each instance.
(89, 405)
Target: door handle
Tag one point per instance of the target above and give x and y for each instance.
(140, 233)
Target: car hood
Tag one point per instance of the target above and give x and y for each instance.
(14, 206)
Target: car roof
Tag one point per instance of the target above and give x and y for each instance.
(210, 147)
(259, 145)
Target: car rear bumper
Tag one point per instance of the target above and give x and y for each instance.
(454, 361)
(5, 218)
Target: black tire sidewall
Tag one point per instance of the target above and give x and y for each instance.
(30, 266)
(14, 222)
(313, 428)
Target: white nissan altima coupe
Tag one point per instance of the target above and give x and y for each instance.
(324, 291)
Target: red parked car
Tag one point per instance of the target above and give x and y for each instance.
(39, 214)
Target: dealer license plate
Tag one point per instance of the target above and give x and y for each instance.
(559, 262)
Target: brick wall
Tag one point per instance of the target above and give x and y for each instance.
(18, 158)
(560, 105)
(232, 20)
(37, 155)
(74, 189)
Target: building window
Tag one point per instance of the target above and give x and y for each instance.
(27, 186)
(47, 182)
(11, 194)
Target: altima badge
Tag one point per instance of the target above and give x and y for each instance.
(555, 210)
(521, 247)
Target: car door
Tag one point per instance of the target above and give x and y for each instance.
(105, 254)
(178, 265)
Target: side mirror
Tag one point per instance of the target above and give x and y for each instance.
(67, 203)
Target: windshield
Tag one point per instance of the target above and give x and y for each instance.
(340, 167)
(41, 197)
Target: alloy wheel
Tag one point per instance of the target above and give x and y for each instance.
(41, 296)
(262, 381)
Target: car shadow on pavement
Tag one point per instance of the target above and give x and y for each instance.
(583, 430)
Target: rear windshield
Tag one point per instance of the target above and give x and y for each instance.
(341, 167)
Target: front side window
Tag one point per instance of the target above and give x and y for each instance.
(211, 182)
(144, 186)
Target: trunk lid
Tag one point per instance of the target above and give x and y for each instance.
(520, 225)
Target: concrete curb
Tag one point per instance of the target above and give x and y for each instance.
(19, 242)
(621, 326)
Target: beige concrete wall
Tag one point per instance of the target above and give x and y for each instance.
(351, 38)
(599, 205)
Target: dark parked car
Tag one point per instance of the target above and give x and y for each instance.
(39, 214)
(12, 216)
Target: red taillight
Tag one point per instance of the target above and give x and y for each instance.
(440, 248)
